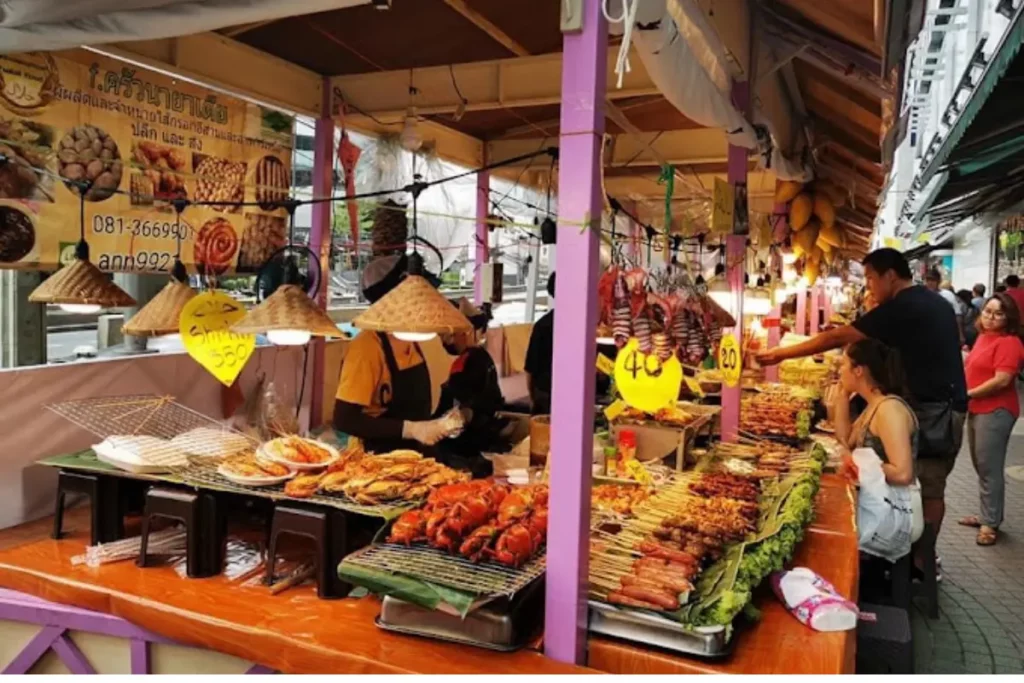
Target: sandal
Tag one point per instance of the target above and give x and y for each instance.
(971, 521)
(987, 536)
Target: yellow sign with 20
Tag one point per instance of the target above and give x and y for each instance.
(646, 382)
(730, 360)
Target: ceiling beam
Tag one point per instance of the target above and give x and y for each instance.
(488, 27)
(224, 64)
(678, 147)
(496, 84)
(824, 125)
(235, 31)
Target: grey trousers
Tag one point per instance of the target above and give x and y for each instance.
(988, 435)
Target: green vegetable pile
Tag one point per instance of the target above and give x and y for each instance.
(803, 424)
(724, 589)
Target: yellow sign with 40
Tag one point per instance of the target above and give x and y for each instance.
(646, 382)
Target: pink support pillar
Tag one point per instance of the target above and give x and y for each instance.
(584, 66)
(815, 294)
(774, 321)
(801, 311)
(736, 265)
(483, 234)
(320, 237)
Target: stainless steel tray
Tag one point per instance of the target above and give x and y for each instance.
(504, 625)
(648, 629)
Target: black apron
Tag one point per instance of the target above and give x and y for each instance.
(410, 399)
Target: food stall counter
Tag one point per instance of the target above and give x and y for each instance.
(778, 643)
(294, 632)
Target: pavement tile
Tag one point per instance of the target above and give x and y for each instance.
(981, 597)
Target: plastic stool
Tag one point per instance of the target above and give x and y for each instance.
(205, 528)
(104, 492)
(329, 529)
(885, 646)
(929, 587)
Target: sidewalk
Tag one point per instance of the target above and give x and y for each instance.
(980, 629)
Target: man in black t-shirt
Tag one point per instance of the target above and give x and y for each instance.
(539, 357)
(922, 326)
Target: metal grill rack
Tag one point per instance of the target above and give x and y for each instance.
(162, 417)
(427, 564)
(204, 475)
(155, 416)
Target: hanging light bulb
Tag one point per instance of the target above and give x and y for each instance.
(788, 258)
(288, 337)
(411, 138)
(80, 308)
(757, 301)
(415, 336)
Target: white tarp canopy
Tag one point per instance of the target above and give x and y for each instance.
(678, 51)
(27, 25)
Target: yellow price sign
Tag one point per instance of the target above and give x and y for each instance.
(646, 382)
(694, 386)
(730, 360)
(615, 409)
(605, 364)
(639, 473)
(205, 331)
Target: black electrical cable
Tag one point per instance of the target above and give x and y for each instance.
(302, 383)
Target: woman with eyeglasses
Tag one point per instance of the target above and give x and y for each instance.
(993, 407)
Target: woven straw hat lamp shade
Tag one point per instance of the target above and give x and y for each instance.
(288, 317)
(81, 287)
(413, 311)
(162, 315)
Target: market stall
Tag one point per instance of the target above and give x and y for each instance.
(667, 537)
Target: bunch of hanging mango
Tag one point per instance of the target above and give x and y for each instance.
(816, 239)
(671, 321)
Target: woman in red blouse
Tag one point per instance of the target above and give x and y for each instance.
(993, 408)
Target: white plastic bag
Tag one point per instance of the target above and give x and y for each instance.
(885, 514)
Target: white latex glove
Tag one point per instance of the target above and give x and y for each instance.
(428, 432)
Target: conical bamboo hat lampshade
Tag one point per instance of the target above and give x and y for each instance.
(162, 315)
(80, 284)
(83, 284)
(287, 310)
(414, 306)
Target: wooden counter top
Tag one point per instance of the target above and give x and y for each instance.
(293, 632)
(297, 633)
(779, 643)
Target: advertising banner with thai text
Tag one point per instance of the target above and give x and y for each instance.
(135, 141)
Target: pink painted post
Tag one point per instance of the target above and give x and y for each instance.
(801, 311)
(771, 373)
(584, 74)
(483, 235)
(736, 266)
(815, 294)
(320, 236)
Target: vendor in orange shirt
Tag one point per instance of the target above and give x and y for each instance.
(384, 394)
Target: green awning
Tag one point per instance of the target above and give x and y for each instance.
(994, 71)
